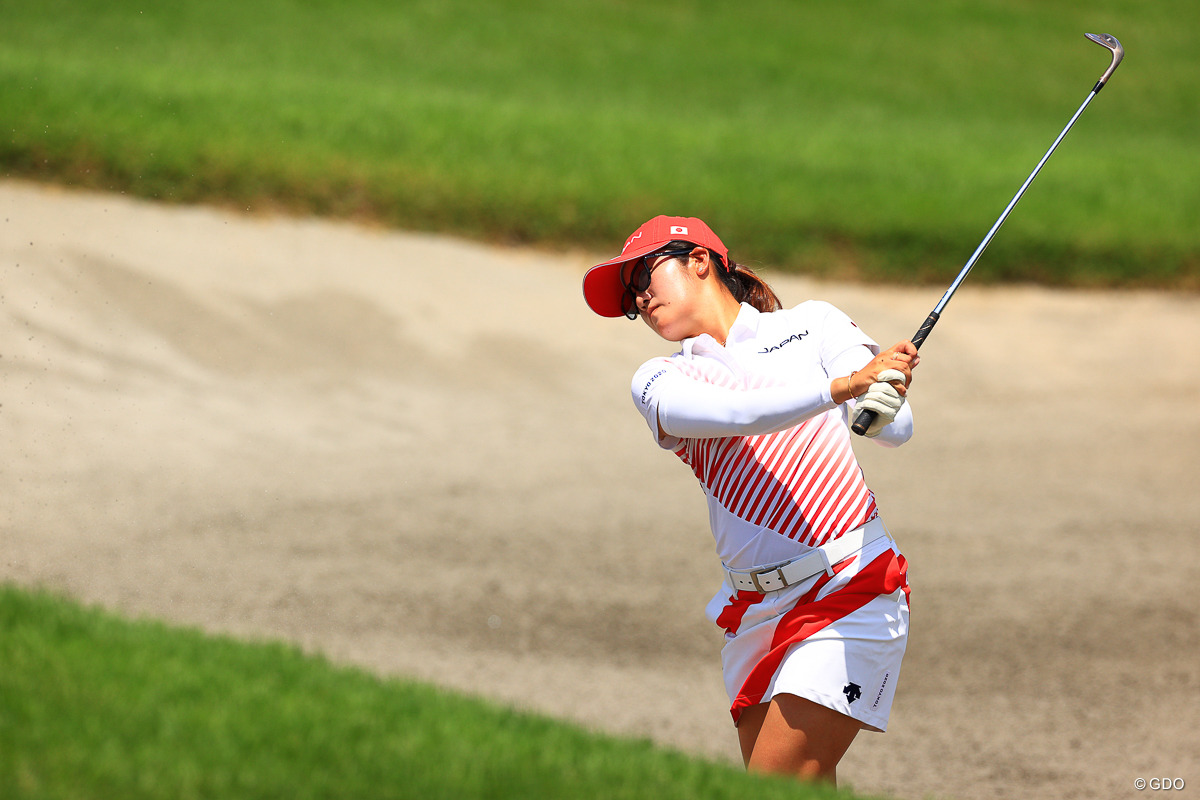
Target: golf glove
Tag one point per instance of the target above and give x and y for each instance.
(883, 399)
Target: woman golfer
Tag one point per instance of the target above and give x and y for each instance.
(756, 402)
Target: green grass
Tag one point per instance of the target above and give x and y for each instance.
(93, 706)
(875, 139)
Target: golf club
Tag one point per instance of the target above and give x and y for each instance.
(865, 417)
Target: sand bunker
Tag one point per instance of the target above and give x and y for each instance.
(419, 455)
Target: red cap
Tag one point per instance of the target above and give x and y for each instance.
(602, 287)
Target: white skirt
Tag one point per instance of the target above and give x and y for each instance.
(838, 642)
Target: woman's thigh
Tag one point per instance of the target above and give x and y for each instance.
(793, 736)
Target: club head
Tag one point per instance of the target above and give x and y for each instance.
(1118, 52)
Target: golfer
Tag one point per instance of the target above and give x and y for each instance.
(757, 403)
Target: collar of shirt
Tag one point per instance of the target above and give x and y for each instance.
(744, 327)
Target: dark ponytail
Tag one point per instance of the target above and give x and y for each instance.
(742, 282)
(747, 287)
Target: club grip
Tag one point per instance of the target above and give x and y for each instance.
(922, 333)
(865, 417)
(862, 422)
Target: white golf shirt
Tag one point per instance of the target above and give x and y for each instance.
(755, 422)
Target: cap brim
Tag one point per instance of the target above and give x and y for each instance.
(602, 287)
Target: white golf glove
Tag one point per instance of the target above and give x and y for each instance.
(883, 399)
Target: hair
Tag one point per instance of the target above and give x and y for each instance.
(741, 281)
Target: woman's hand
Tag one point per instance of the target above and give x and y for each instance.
(901, 356)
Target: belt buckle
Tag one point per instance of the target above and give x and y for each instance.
(778, 575)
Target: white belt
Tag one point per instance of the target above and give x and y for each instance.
(822, 559)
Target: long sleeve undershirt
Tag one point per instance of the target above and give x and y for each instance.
(692, 409)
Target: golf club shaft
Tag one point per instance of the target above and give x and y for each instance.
(865, 417)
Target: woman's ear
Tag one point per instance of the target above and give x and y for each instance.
(703, 261)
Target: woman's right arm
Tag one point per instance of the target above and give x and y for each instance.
(678, 406)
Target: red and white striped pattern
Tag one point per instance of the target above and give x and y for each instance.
(804, 482)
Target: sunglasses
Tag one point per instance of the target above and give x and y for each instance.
(639, 279)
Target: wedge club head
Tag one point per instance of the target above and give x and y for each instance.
(1118, 52)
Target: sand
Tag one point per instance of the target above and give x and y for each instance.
(418, 455)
